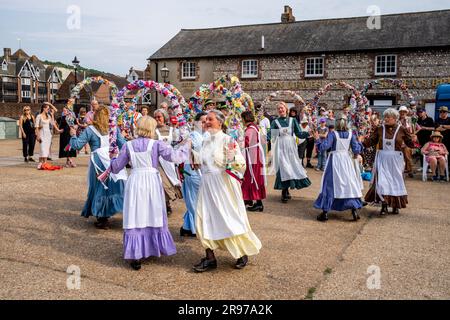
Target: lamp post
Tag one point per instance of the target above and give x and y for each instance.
(165, 73)
(75, 63)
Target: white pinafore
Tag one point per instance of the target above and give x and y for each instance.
(285, 156)
(143, 204)
(167, 166)
(249, 158)
(103, 155)
(346, 182)
(389, 167)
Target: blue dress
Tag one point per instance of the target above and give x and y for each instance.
(101, 202)
(326, 200)
(191, 185)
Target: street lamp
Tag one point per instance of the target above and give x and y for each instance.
(76, 63)
(165, 73)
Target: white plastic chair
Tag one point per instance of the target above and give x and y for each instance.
(425, 168)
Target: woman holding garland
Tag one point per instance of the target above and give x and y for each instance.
(104, 200)
(221, 218)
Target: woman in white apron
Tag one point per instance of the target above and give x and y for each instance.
(221, 218)
(341, 187)
(388, 185)
(104, 199)
(146, 231)
(254, 184)
(169, 174)
(286, 163)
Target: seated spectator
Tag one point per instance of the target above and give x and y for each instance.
(435, 152)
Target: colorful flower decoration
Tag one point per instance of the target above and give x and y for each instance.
(357, 106)
(237, 101)
(172, 94)
(395, 82)
(68, 111)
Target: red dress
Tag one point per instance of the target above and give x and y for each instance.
(253, 187)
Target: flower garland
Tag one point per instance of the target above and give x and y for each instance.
(236, 99)
(177, 103)
(68, 111)
(395, 82)
(357, 104)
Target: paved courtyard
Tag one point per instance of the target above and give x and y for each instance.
(42, 234)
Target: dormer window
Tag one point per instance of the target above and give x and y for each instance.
(4, 65)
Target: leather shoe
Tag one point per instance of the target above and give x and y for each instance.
(136, 265)
(256, 207)
(241, 262)
(322, 217)
(205, 265)
(355, 215)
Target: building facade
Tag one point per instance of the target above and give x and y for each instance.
(305, 56)
(25, 79)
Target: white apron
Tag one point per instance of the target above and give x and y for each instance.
(285, 156)
(249, 159)
(144, 202)
(103, 155)
(220, 201)
(346, 183)
(389, 167)
(167, 166)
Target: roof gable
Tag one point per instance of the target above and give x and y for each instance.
(408, 30)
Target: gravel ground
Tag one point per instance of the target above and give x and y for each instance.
(42, 234)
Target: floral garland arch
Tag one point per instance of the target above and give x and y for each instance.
(69, 113)
(236, 99)
(357, 104)
(395, 82)
(177, 103)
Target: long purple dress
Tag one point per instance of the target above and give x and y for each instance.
(141, 243)
(326, 200)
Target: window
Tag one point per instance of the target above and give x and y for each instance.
(147, 99)
(25, 81)
(189, 70)
(314, 67)
(26, 94)
(4, 65)
(386, 65)
(249, 69)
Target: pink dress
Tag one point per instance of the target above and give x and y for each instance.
(253, 187)
(434, 150)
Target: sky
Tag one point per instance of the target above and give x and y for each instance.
(113, 36)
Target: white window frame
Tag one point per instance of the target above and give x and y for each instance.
(4, 65)
(249, 71)
(385, 65)
(315, 61)
(26, 94)
(25, 81)
(191, 67)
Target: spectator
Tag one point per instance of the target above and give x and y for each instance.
(435, 153)
(443, 126)
(26, 126)
(82, 125)
(322, 130)
(407, 152)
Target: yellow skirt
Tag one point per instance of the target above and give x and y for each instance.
(246, 244)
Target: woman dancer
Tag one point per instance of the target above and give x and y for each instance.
(103, 200)
(290, 173)
(221, 218)
(341, 182)
(146, 232)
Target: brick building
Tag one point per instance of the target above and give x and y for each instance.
(25, 79)
(306, 55)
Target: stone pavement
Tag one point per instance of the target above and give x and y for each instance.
(42, 234)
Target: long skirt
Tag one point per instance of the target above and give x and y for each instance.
(190, 189)
(148, 242)
(101, 202)
(290, 184)
(326, 200)
(238, 246)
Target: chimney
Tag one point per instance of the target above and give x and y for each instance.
(287, 16)
(6, 53)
